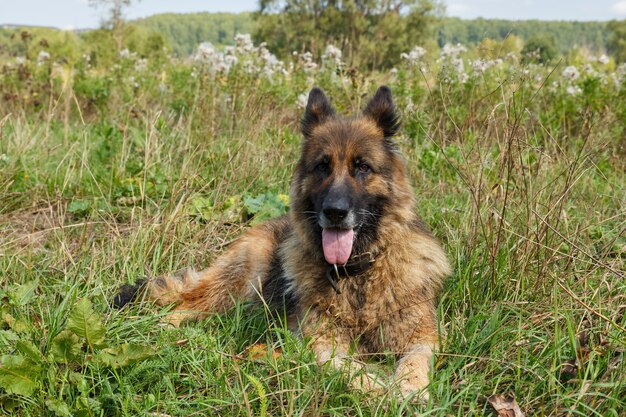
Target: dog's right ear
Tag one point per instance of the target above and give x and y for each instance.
(318, 110)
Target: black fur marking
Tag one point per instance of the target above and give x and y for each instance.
(318, 109)
(383, 111)
(274, 291)
(128, 293)
(368, 231)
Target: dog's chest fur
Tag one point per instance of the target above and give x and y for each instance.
(379, 307)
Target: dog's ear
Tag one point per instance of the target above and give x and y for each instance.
(382, 110)
(318, 110)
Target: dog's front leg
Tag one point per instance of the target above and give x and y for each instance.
(412, 371)
(331, 345)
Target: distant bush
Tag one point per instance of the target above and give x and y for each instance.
(539, 49)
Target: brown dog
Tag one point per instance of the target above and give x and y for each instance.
(352, 265)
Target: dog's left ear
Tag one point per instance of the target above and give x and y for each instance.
(382, 110)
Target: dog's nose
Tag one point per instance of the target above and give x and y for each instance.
(335, 214)
(337, 205)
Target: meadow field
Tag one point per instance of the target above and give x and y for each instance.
(109, 173)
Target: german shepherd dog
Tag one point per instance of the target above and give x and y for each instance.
(351, 267)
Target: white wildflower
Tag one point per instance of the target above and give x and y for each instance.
(590, 71)
(219, 64)
(452, 50)
(619, 75)
(250, 67)
(302, 100)
(458, 65)
(603, 59)
(512, 56)
(141, 64)
(252, 60)
(332, 55)
(43, 56)
(306, 60)
(571, 73)
(573, 90)
(133, 82)
(20, 60)
(244, 43)
(394, 71)
(414, 55)
(230, 60)
(204, 52)
(482, 65)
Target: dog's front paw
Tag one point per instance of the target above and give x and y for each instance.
(408, 390)
(368, 382)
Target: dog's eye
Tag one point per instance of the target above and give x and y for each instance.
(364, 168)
(322, 167)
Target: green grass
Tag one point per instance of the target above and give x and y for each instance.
(525, 187)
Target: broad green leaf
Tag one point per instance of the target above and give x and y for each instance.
(8, 336)
(86, 406)
(85, 322)
(27, 348)
(16, 325)
(19, 375)
(124, 355)
(265, 206)
(59, 408)
(79, 207)
(80, 382)
(65, 346)
(202, 207)
(254, 204)
(24, 293)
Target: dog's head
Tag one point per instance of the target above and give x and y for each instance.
(350, 177)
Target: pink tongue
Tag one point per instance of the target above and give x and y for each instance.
(337, 245)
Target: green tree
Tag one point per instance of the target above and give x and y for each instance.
(539, 48)
(115, 19)
(184, 32)
(370, 33)
(567, 35)
(616, 43)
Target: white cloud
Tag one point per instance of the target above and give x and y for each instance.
(619, 8)
(457, 8)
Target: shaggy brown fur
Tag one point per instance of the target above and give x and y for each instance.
(350, 175)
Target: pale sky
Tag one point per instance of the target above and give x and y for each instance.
(77, 14)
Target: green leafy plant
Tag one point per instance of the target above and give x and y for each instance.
(82, 343)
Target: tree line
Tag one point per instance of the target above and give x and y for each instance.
(380, 38)
(370, 33)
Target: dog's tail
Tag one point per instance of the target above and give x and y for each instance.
(239, 274)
